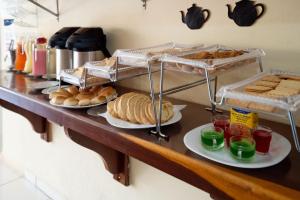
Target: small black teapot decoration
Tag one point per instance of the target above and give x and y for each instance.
(195, 17)
(245, 12)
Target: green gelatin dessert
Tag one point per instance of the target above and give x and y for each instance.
(242, 149)
(212, 140)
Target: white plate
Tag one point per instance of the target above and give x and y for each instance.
(52, 89)
(88, 106)
(280, 147)
(42, 85)
(128, 125)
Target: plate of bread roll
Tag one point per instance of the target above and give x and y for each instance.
(73, 97)
(134, 111)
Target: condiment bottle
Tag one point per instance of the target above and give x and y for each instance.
(20, 56)
(39, 57)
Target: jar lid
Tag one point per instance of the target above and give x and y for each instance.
(41, 40)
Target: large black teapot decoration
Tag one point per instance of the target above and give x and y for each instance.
(245, 13)
(195, 17)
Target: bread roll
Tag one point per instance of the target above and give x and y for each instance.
(71, 101)
(107, 91)
(55, 94)
(84, 95)
(98, 100)
(58, 100)
(73, 90)
(62, 90)
(95, 89)
(84, 102)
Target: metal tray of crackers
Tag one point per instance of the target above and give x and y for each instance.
(213, 58)
(266, 91)
(139, 57)
(107, 69)
(76, 77)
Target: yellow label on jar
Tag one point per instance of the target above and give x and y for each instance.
(247, 118)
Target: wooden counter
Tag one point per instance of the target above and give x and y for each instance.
(115, 145)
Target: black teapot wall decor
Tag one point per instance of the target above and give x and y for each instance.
(195, 17)
(245, 12)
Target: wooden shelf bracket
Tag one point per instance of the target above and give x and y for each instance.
(39, 124)
(115, 162)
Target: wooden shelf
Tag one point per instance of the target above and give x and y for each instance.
(281, 181)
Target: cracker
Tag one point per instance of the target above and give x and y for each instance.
(143, 115)
(239, 103)
(256, 88)
(263, 107)
(122, 105)
(297, 78)
(266, 84)
(271, 78)
(282, 92)
(290, 84)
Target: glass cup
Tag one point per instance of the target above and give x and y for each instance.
(212, 138)
(262, 136)
(223, 122)
(242, 148)
(236, 129)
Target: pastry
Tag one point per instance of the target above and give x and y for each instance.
(84, 102)
(256, 88)
(58, 100)
(73, 90)
(71, 101)
(98, 100)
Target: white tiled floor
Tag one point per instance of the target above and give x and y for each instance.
(13, 186)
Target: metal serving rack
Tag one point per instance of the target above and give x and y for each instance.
(171, 53)
(285, 105)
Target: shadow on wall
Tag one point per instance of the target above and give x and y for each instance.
(287, 60)
(115, 37)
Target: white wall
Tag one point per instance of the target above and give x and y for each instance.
(78, 173)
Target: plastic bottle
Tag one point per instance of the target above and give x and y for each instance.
(20, 56)
(28, 51)
(39, 57)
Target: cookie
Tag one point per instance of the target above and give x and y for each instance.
(271, 78)
(266, 84)
(256, 88)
